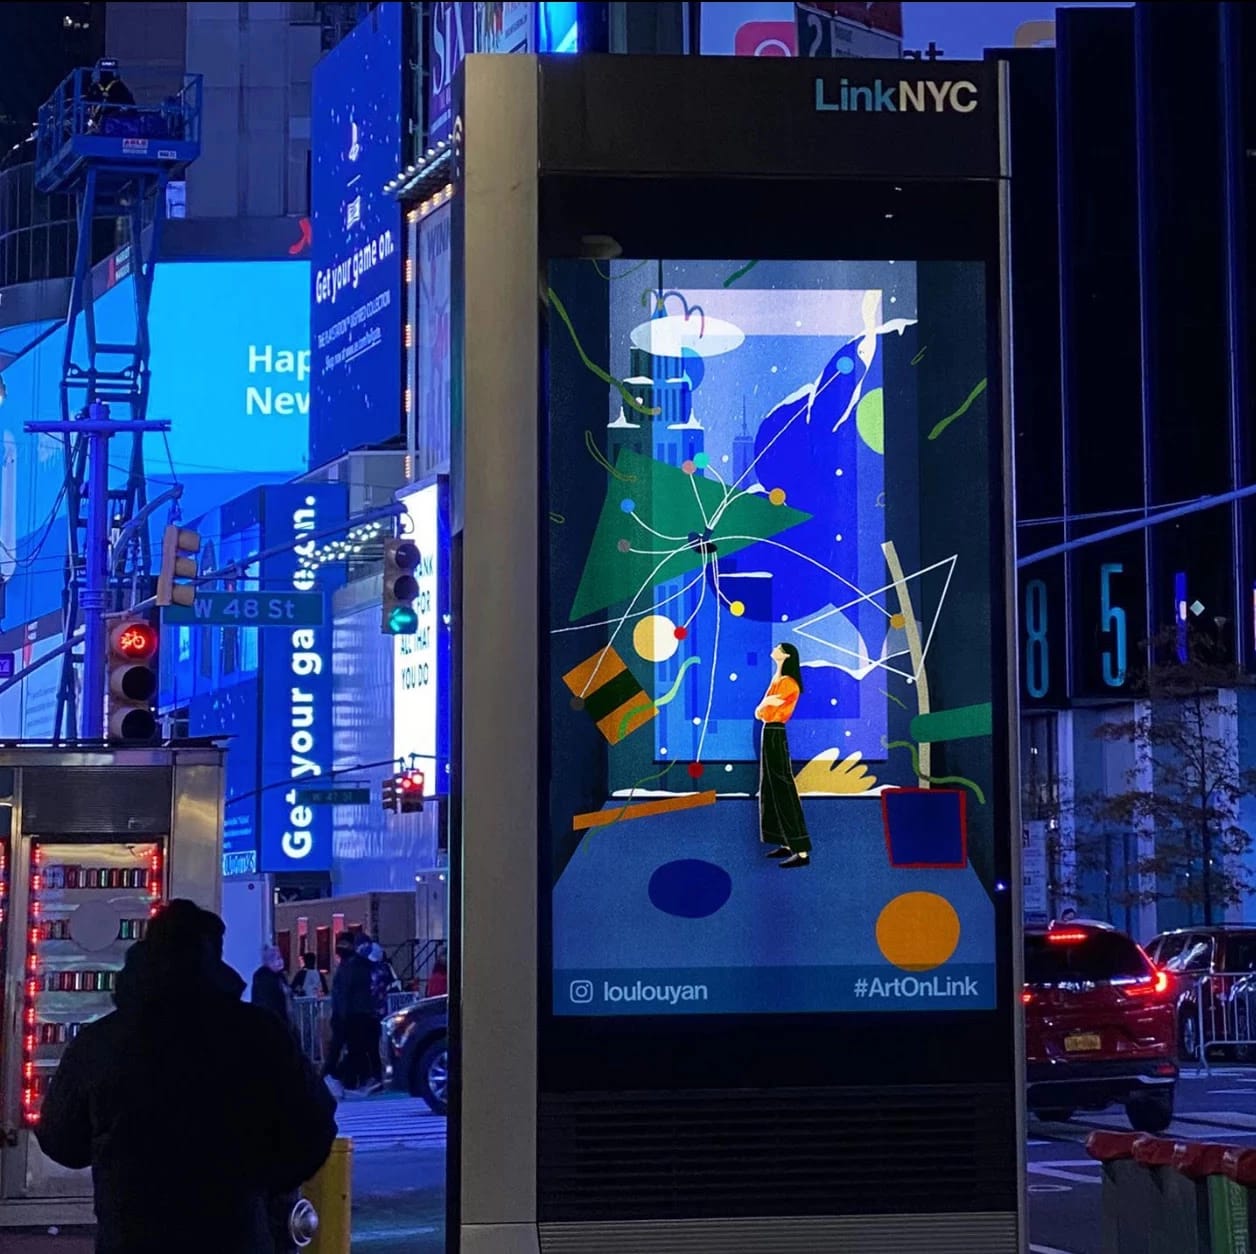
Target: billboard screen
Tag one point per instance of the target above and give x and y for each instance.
(356, 314)
(296, 682)
(230, 371)
(432, 344)
(930, 32)
(452, 37)
(421, 661)
(772, 637)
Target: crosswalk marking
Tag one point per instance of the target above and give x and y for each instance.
(398, 1123)
(1059, 1171)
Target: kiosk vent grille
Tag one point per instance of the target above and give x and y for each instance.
(639, 1156)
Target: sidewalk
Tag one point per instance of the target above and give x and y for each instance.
(398, 1208)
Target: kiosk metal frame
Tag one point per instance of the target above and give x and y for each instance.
(519, 119)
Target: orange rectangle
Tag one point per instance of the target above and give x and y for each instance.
(594, 671)
(643, 810)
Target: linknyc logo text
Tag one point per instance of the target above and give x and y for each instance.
(922, 96)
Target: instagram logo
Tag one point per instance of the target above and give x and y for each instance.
(581, 992)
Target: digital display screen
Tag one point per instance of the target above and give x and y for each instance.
(770, 654)
(421, 660)
(296, 714)
(234, 388)
(357, 249)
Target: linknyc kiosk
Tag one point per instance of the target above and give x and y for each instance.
(736, 896)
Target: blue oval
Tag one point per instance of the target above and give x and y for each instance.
(690, 888)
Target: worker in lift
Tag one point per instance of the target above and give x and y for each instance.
(107, 87)
(111, 98)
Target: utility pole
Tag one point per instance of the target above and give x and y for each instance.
(96, 428)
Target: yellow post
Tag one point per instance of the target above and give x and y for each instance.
(330, 1192)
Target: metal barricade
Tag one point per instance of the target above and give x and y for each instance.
(312, 1017)
(399, 1001)
(1222, 1006)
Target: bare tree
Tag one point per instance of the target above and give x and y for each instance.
(1195, 846)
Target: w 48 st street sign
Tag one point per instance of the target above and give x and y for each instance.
(249, 609)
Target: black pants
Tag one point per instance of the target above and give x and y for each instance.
(335, 1047)
(781, 820)
(362, 1060)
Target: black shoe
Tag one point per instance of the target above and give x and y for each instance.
(799, 859)
(779, 852)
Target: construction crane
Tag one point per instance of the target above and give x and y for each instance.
(115, 157)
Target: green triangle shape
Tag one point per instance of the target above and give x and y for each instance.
(664, 498)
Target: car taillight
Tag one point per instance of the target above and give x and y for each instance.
(1153, 986)
(1026, 997)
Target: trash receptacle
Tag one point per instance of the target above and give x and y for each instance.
(1130, 1196)
(1186, 1186)
(1230, 1195)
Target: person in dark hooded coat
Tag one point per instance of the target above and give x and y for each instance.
(192, 1108)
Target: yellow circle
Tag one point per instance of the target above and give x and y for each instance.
(918, 931)
(654, 638)
(898, 622)
(736, 608)
(777, 496)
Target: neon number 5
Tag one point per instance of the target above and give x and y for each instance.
(1037, 663)
(1112, 622)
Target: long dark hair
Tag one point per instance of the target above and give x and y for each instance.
(791, 666)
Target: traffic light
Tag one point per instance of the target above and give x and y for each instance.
(177, 546)
(401, 560)
(132, 680)
(410, 790)
(403, 793)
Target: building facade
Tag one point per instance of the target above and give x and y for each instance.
(1128, 245)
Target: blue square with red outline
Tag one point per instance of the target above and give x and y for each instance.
(926, 827)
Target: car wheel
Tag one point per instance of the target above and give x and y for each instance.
(1054, 1114)
(431, 1076)
(1188, 1033)
(1150, 1114)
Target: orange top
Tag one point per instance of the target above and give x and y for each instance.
(788, 691)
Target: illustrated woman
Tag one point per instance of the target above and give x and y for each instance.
(781, 823)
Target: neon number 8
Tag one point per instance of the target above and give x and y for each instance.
(1037, 663)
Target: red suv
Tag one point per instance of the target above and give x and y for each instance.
(1100, 1026)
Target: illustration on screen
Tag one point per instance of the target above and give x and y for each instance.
(770, 637)
(782, 824)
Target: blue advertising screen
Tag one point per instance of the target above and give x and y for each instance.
(296, 673)
(356, 315)
(213, 672)
(268, 689)
(770, 637)
(230, 371)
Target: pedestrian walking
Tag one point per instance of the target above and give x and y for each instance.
(438, 981)
(383, 981)
(348, 1066)
(270, 988)
(309, 981)
(193, 1109)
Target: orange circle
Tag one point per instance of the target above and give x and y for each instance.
(918, 931)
